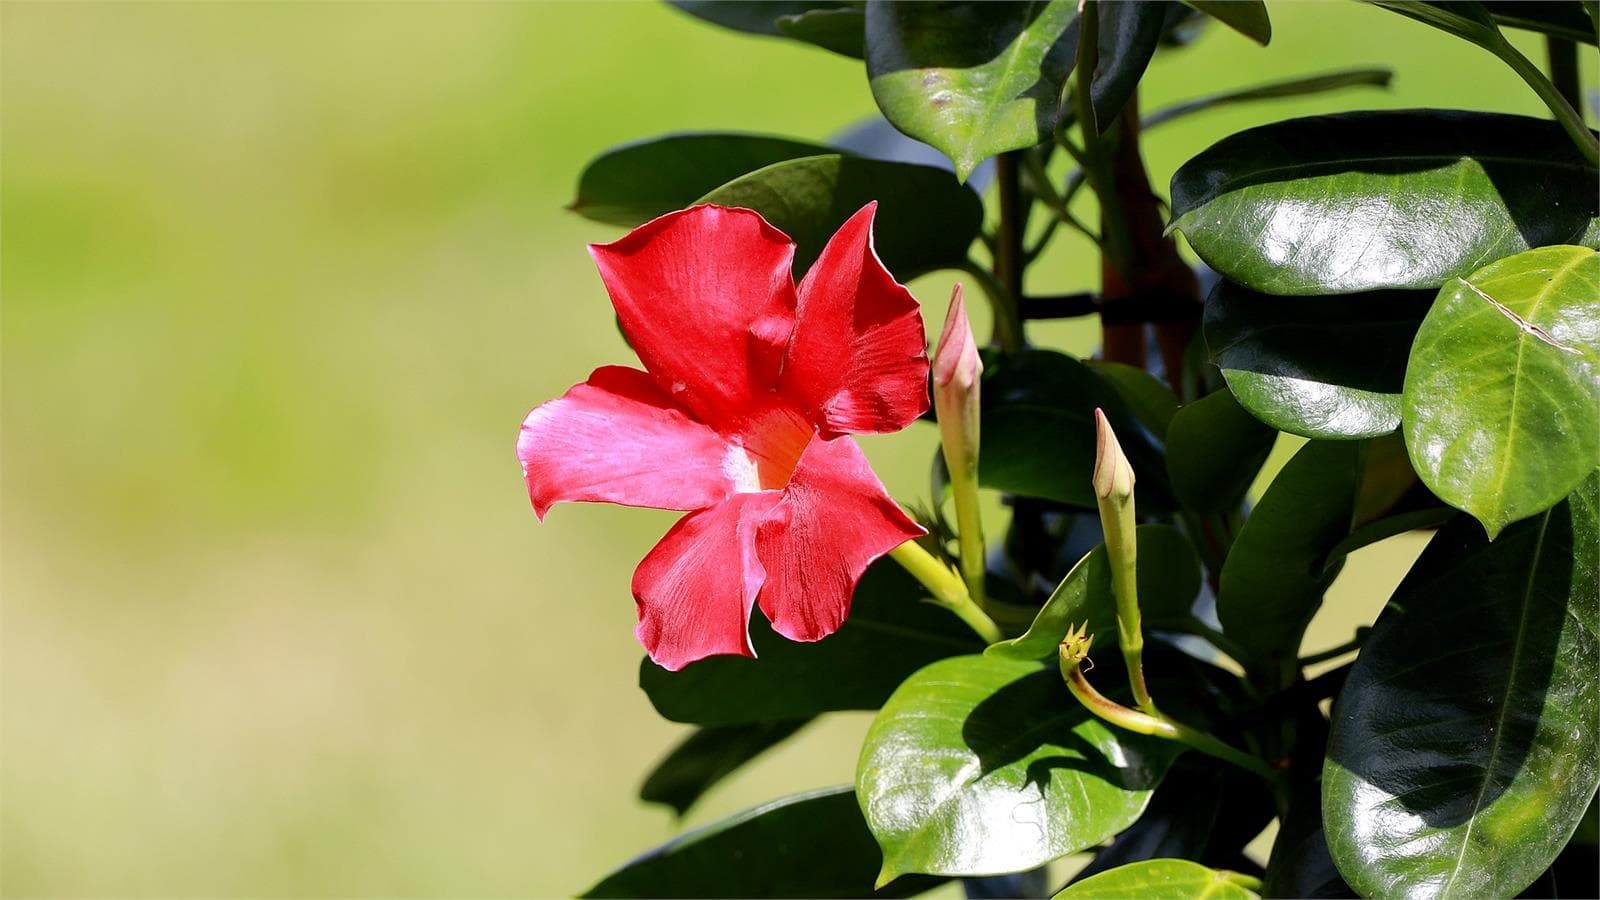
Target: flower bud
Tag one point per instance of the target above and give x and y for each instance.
(1113, 475)
(956, 385)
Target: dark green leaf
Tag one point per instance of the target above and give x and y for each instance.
(1382, 529)
(636, 182)
(1463, 746)
(1162, 879)
(1130, 31)
(709, 755)
(1323, 367)
(808, 845)
(889, 634)
(1152, 402)
(1274, 578)
(840, 30)
(1293, 87)
(1557, 18)
(1169, 580)
(1499, 406)
(1467, 19)
(1214, 451)
(972, 79)
(753, 16)
(1371, 200)
(1248, 17)
(925, 221)
(1038, 431)
(983, 765)
(1300, 865)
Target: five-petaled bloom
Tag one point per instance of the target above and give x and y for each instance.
(741, 415)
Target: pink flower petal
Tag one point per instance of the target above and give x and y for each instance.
(834, 520)
(619, 438)
(858, 359)
(696, 587)
(706, 298)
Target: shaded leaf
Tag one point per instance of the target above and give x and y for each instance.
(709, 755)
(1274, 578)
(925, 221)
(983, 765)
(1323, 367)
(1162, 879)
(634, 183)
(1248, 17)
(1371, 200)
(1300, 865)
(770, 851)
(1214, 451)
(875, 137)
(889, 634)
(753, 16)
(1292, 87)
(1499, 405)
(1152, 402)
(1169, 581)
(1557, 18)
(971, 79)
(1462, 754)
(840, 30)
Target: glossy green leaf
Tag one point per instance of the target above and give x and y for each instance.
(1248, 17)
(1323, 367)
(636, 182)
(753, 16)
(841, 30)
(1463, 747)
(808, 845)
(1273, 581)
(1038, 431)
(982, 765)
(925, 220)
(1557, 18)
(709, 755)
(1169, 581)
(1163, 879)
(1130, 32)
(1292, 87)
(1214, 451)
(972, 79)
(889, 634)
(1499, 406)
(1151, 402)
(1372, 200)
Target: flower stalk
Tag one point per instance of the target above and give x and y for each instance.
(1113, 488)
(957, 371)
(946, 587)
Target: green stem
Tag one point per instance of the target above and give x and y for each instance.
(969, 531)
(1248, 882)
(947, 588)
(1562, 55)
(1113, 229)
(1349, 646)
(1569, 118)
(1008, 239)
(1046, 192)
(1002, 304)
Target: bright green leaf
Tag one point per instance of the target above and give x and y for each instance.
(1465, 736)
(1162, 879)
(1248, 17)
(1371, 200)
(889, 634)
(982, 765)
(1214, 451)
(925, 220)
(1323, 367)
(808, 845)
(636, 182)
(1499, 405)
(709, 755)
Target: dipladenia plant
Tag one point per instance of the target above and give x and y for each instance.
(1406, 301)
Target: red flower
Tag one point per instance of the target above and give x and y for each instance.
(741, 415)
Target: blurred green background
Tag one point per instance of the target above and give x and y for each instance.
(279, 282)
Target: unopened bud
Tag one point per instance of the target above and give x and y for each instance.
(1113, 476)
(957, 381)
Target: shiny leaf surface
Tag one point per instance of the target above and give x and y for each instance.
(889, 634)
(769, 851)
(982, 765)
(1169, 580)
(972, 79)
(1499, 405)
(1214, 451)
(1463, 747)
(925, 221)
(709, 755)
(1161, 879)
(1275, 576)
(1372, 200)
(634, 183)
(1324, 367)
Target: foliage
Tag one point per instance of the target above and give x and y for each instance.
(1417, 292)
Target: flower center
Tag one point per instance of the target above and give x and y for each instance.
(765, 455)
